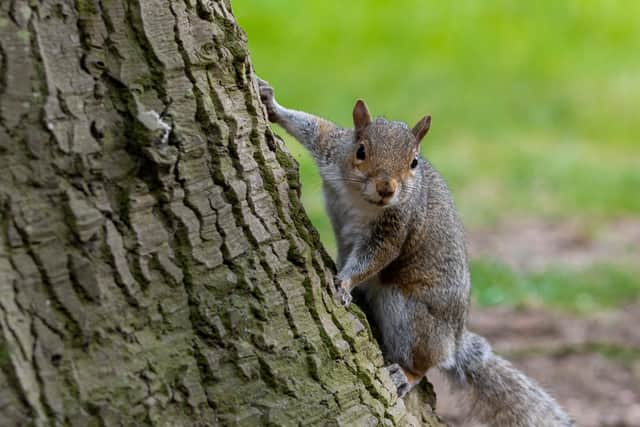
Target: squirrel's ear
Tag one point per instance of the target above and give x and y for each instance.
(421, 128)
(361, 116)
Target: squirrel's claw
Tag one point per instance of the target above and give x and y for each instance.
(267, 97)
(343, 291)
(344, 297)
(266, 91)
(399, 379)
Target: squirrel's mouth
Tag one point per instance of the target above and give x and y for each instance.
(382, 203)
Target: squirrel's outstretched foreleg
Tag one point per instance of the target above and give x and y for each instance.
(318, 135)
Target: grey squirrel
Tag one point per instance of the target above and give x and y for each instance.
(401, 250)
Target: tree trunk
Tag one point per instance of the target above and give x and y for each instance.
(156, 265)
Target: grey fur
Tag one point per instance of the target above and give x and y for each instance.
(406, 255)
(500, 394)
(389, 310)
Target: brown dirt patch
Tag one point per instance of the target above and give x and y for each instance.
(533, 244)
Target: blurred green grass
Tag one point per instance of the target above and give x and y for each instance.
(596, 287)
(535, 105)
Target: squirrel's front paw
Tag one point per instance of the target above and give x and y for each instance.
(267, 97)
(343, 291)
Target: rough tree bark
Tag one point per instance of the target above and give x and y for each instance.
(156, 265)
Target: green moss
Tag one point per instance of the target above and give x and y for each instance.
(24, 36)
(86, 7)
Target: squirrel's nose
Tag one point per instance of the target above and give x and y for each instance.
(386, 188)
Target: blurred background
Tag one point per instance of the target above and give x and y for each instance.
(536, 128)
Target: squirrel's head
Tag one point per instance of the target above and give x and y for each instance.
(385, 157)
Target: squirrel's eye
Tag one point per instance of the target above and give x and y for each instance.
(414, 163)
(360, 155)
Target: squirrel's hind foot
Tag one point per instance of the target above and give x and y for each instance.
(400, 380)
(343, 291)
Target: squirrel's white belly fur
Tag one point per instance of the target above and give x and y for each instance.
(351, 218)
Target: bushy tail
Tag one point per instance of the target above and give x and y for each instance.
(501, 395)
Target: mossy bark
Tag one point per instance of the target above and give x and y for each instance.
(156, 265)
